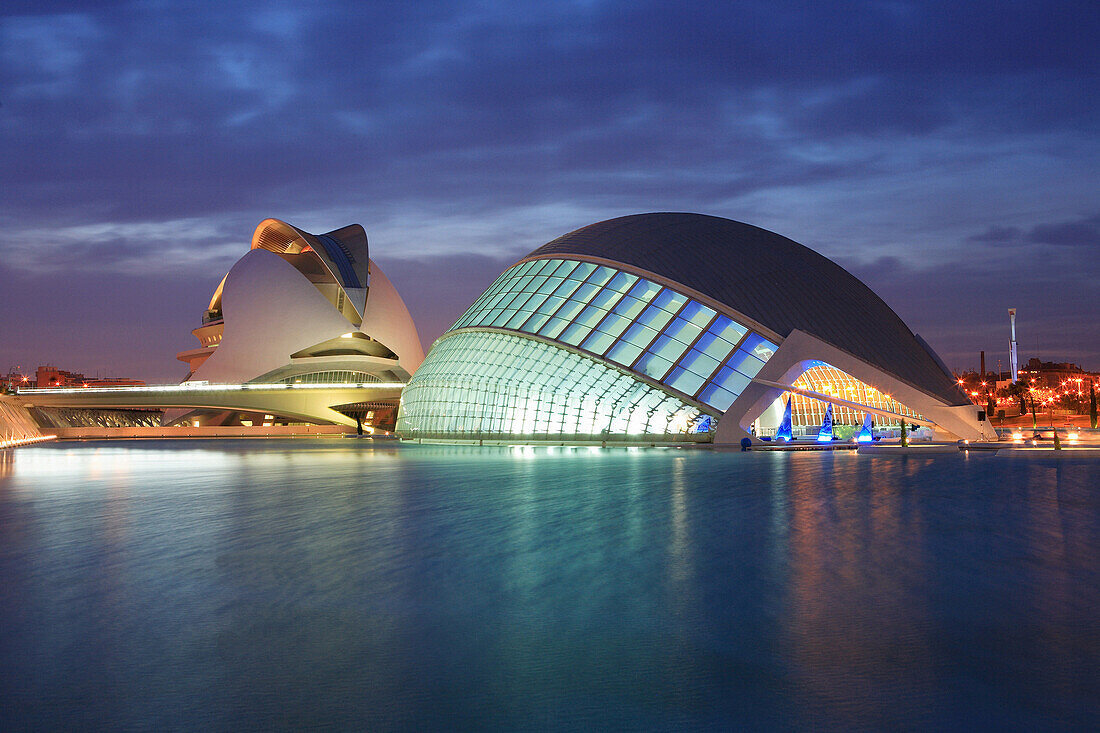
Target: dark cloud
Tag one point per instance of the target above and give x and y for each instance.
(151, 138)
(1081, 233)
(996, 235)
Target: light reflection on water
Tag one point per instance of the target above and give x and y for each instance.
(291, 583)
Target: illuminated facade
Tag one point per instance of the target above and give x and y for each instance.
(667, 328)
(300, 308)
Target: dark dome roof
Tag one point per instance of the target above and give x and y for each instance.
(774, 280)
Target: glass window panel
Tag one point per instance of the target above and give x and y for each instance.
(583, 270)
(522, 300)
(717, 397)
(585, 292)
(575, 334)
(601, 275)
(550, 305)
(655, 317)
(685, 381)
(733, 381)
(564, 268)
(669, 300)
(629, 306)
(517, 318)
(605, 299)
(570, 310)
(652, 365)
(726, 329)
(535, 284)
(598, 342)
(697, 313)
(542, 266)
(566, 288)
(535, 322)
(714, 347)
(591, 316)
(759, 346)
(699, 363)
(624, 353)
(622, 281)
(640, 335)
(501, 318)
(644, 290)
(682, 330)
(614, 324)
(750, 366)
(550, 284)
(553, 327)
(668, 348)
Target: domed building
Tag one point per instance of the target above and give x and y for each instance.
(672, 327)
(303, 309)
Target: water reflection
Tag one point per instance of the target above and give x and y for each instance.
(257, 584)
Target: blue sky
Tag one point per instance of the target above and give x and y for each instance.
(946, 153)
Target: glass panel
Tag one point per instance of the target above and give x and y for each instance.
(550, 284)
(685, 381)
(726, 329)
(598, 342)
(583, 270)
(614, 324)
(535, 322)
(565, 268)
(624, 353)
(575, 334)
(652, 365)
(760, 347)
(585, 292)
(629, 306)
(717, 397)
(669, 300)
(639, 335)
(731, 380)
(517, 318)
(713, 346)
(697, 313)
(550, 305)
(667, 348)
(605, 299)
(591, 316)
(622, 281)
(570, 310)
(644, 290)
(655, 317)
(601, 275)
(699, 363)
(566, 288)
(682, 331)
(553, 327)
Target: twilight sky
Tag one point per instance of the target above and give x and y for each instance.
(947, 153)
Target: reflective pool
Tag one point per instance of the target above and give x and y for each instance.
(262, 583)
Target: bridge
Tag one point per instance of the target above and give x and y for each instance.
(311, 403)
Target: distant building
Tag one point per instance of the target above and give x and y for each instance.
(16, 379)
(1052, 375)
(50, 376)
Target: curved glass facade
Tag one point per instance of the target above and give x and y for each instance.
(491, 385)
(630, 332)
(638, 324)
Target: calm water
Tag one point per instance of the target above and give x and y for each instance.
(259, 584)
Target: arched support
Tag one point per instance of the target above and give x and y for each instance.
(800, 350)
